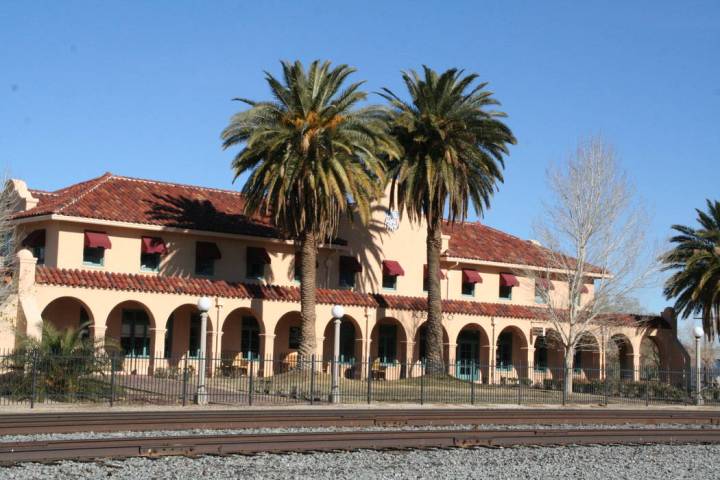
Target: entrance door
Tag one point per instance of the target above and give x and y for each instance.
(467, 356)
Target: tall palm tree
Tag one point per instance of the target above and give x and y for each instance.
(312, 156)
(696, 257)
(453, 149)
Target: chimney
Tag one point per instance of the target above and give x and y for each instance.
(23, 199)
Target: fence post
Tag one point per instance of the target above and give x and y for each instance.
(647, 393)
(369, 381)
(472, 383)
(112, 379)
(251, 385)
(312, 379)
(34, 379)
(184, 383)
(422, 383)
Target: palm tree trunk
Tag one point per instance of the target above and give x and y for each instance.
(434, 337)
(308, 288)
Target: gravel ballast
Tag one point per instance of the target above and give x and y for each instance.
(616, 462)
(45, 437)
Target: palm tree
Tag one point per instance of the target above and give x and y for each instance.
(312, 156)
(696, 257)
(453, 149)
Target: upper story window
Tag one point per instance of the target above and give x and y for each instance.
(391, 270)
(152, 249)
(507, 282)
(256, 258)
(542, 287)
(94, 249)
(469, 279)
(35, 241)
(441, 276)
(206, 253)
(349, 266)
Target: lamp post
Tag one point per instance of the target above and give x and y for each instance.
(338, 312)
(698, 396)
(204, 304)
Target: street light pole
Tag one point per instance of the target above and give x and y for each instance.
(698, 395)
(204, 304)
(338, 312)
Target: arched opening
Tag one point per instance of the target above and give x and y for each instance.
(619, 357)
(183, 334)
(350, 340)
(129, 329)
(651, 360)
(350, 351)
(421, 344)
(69, 312)
(388, 349)
(288, 333)
(241, 332)
(472, 354)
(548, 356)
(586, 361)
(511, 354)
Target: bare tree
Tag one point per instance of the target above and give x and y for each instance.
(709, 349)
(8, 244)
(594, 234)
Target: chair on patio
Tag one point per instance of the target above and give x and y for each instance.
(290, 361)
(240, 365)
(378, 370)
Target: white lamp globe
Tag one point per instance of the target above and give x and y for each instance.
(698, 331)
(338, 311)
(204, 304)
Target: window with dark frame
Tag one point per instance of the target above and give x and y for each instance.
(294, 336)
(250, 338)
(389, 282)
(206, 253)
(256, 259)
(503, 356)
(150, 262)
(348, 267)
(94, 256)
(468, 289)
(134, 333)
(387, 343)
(194, 337)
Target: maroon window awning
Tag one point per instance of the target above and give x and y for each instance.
(584, 289)
(151, 245)
(207, 251)
(392, 268)
(35, 239)
(509, 280)
(471, 276)
(258, 255)
(441, 274)
(97, 240)
(350, 264)
(545, 284)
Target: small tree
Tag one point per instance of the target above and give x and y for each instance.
(594, 236)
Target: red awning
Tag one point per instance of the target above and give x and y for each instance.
(441, 275)
(258, 255)
(152, 245)
(35, 239)
(97, 240)
(392, 268)
(545, 283)
(350, 264)
(208, 250)
(471, 276)
(584, 289)
(509, 280)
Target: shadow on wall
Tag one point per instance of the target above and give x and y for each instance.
(370, 236)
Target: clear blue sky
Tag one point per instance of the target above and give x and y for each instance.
(144, 89)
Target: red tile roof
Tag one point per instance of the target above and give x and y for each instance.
(133, 200)
(124, 199)
(476, 241)
(190, 286)
(199, 286)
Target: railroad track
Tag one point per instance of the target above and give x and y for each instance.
(32, 423)
(49, 451)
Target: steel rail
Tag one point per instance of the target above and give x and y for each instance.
(48, 451)
(68, 422)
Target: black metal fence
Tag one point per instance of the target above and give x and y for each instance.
(32, 378)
